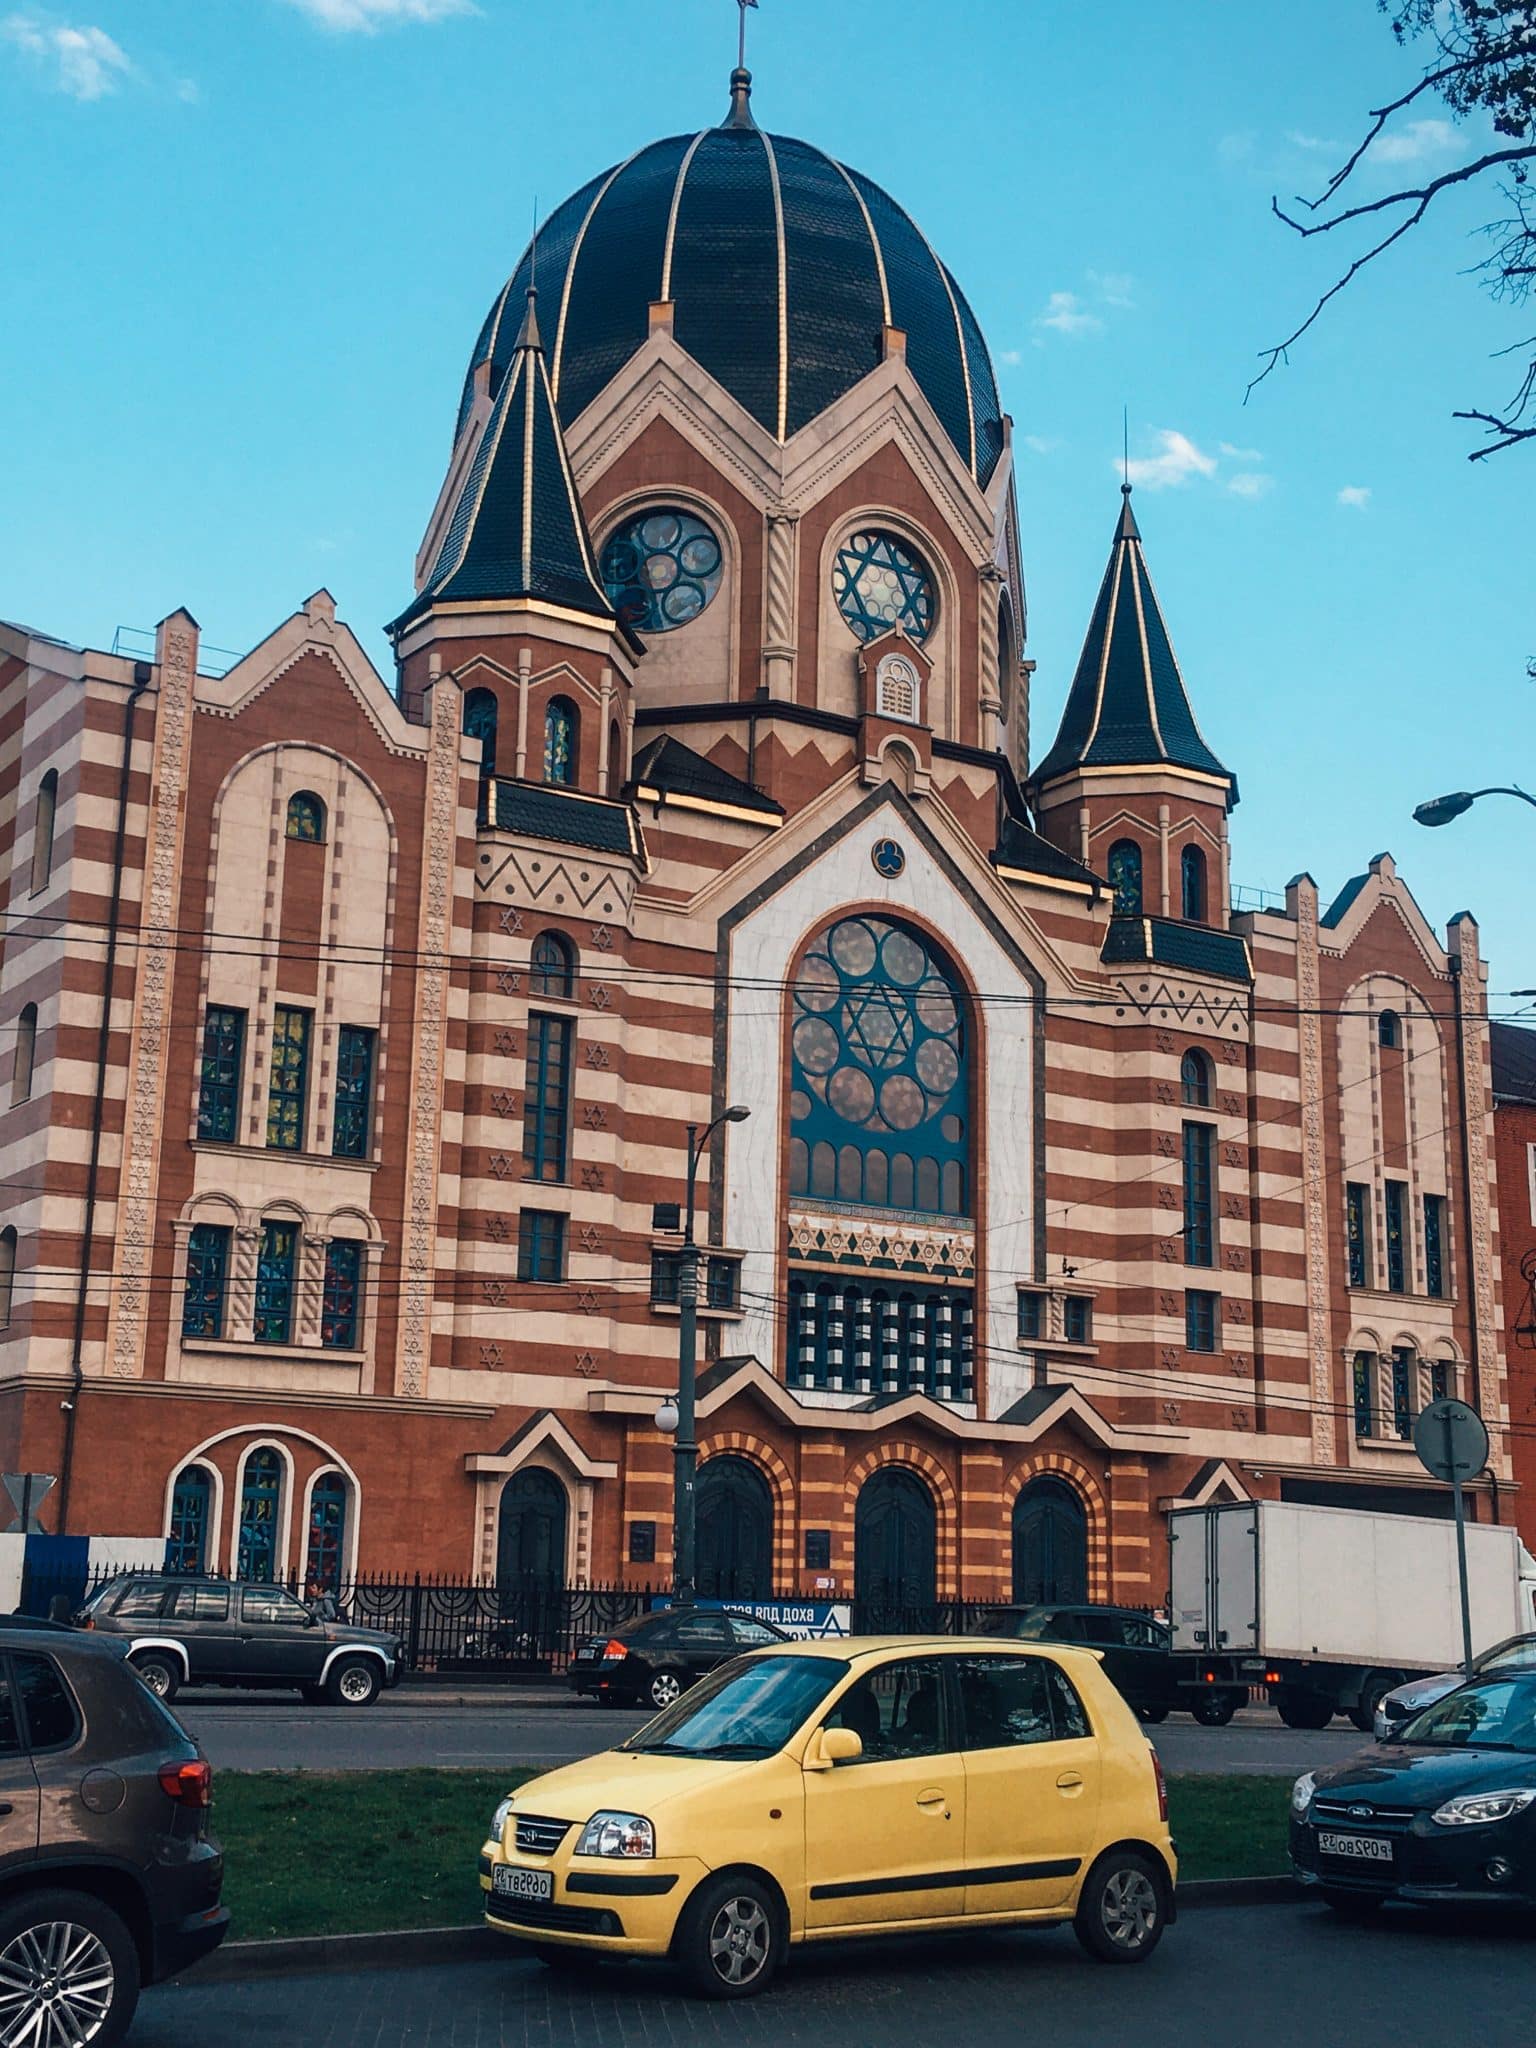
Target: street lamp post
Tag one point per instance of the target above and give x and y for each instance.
(685, 1451)
(1440, 810)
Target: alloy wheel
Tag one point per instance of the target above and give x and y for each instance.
(356, 1686)
(665, 1688)
(1129, 1911)
(739, 1936)
(56, 1987)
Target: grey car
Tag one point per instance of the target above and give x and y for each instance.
(109, 1877)
(207, 1631)
(1515, 1653)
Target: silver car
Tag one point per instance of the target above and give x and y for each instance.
(1515, 1653)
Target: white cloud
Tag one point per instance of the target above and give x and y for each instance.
(368, 15)
(1042, 444)
(1316, 143)
(1067, 314)
(83, 62)
(1237, 147)
(1417, 139)
(1358, 495)
(1250, 484)
(1012, 357)
(1240, 454)
(1177, 460)
(1112, 286)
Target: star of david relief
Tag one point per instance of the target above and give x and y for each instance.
(602, 938)
(601, 999)
(503, 1103)
(1232, 1205)
(501, 1165)
(1232, 1105)
(878, 1025)
(1231, 1054)
(1170, 1411)
(1170, 1356)
(1164, 1042)
(1167, 1251)
(1166, 1144)
(497, 1229)
(1167, 1304)
(586, 1364)
(591, 1238)
(511, 921)
(505, 1043)
(592, 1177)
(509, 981)
(595, 1117)
(597, 1055)
(586, 1301)
(1239, 1418)
(495, 1292)
(1165, 1091)
(490, 1355)
(1167, 1199)
(1234, 1260)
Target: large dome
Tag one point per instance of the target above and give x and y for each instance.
(782, 266)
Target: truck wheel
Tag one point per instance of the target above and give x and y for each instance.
(159, 1671)
(1120, 1913)
(70, 1969)
(1374, 1690)
(1215, 1709)
(1299, 1709)
(354, 1682)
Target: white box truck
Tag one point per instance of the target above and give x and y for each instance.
(1332, 1607)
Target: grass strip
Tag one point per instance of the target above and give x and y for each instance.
(365, 1852)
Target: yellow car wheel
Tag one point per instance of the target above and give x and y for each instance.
(1120, 1913)
(730, 1938)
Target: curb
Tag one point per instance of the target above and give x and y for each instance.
(415, 1948)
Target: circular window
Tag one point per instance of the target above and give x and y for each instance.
(879, 583)
(661, 568)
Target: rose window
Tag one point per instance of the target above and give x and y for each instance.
(879, 583)
(660, 569)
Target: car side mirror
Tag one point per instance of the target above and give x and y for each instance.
(829, 1746)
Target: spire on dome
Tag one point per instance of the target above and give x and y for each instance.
(740, 114)
(1128, 707)
(518, 530)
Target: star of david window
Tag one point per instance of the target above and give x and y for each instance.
(879, 583)
(879, 1077)
(661, 569)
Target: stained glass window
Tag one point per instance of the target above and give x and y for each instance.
(661, 568)
(186, 1546)
(1125, 877)
(1365, 1393)
(202, 1307)
(1396, 1190)
(288, 1078)
(1357, 1224)
(561, 730)
(327, 1533)
(339, 1299)
(879, 1082)
(1403, 1362)
(1442, 1380)
(1434, 1245)
(274, 1282)
(879, 583)
(306, 816)
(552, 967)
(260, 1493)
(218, 1102)
(351, 1128)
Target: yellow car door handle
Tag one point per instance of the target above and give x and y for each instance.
(1070, 1781)
(932, 1802)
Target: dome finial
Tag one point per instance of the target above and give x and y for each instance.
(740, 115)
(528, 335)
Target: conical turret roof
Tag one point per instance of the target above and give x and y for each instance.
(517, 530)
(1128, 707)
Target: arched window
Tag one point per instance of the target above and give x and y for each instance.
(879, 1101)
(1050, 1544)
(562, 737)
(480, 724)
(552, 967)
(531, 1530)
(261, 1496)
(326, 1544)
(186, 1543)
(615, 757)
(43, 813)
(895, 1549)
(1195, 1080)
(7, 1274)
(1387, 1029)
(306, 817)
(1125, 877)
(1007, 658)
(25, 1055)
(1192, 879)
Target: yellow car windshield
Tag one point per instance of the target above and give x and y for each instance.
(749, 1707)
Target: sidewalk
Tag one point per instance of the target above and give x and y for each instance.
(425, 1693)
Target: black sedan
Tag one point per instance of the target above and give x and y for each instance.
(1443, 1810)
(650, 1661)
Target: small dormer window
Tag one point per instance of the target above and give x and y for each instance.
(896, 689)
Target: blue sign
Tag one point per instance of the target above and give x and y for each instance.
(804, 1619)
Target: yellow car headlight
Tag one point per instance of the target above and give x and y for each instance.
(617, 1834)
(499, 1818)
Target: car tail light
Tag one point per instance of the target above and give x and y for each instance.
(615, 1652)
(1162, 1785)
(188, 1784)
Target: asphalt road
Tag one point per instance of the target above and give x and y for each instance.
(1264, 1973)
(258, 1732)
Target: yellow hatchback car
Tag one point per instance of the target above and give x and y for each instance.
(810, 1792)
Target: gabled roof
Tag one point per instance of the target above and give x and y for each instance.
(676, 770)
(517, 530)
(1128, 707)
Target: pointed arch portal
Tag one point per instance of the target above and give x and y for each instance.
(895, 1550)
(734, 1518)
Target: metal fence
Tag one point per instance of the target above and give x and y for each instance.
(522, 1631)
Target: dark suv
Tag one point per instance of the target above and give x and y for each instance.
(1137, 1651)
(648, 1662)
(205, 1631)
(109, 1878)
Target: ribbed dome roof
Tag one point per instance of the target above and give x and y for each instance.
(782, 266)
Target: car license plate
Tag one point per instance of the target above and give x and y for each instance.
(510, 1882)
(1354, 1848)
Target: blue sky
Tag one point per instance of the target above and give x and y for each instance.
(247, 244)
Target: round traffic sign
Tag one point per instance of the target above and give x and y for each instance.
(1451, 1441)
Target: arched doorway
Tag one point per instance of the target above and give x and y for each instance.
(530, 1537)
(895, 1550)
(733, 1517)
(1050, 1543)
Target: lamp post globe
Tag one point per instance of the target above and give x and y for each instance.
(1440, 810)
(666, 1417)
